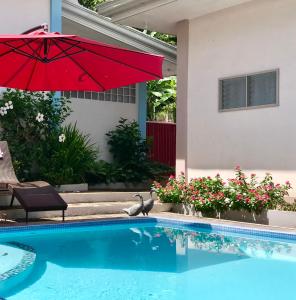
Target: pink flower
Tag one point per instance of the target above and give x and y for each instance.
(172, 177)
(237, 168)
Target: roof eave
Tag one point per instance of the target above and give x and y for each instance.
(123, 34)
(120, 10)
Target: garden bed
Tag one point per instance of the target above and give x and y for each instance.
(266, 217)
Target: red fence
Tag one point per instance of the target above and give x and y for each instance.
(163, 136)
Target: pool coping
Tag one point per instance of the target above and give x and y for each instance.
(177, 220)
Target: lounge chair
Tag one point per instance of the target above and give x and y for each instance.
(33, 196)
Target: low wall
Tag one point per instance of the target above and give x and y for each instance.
(267, 217)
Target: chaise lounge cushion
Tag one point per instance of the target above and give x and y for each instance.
(40, 199)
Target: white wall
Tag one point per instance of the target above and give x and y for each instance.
(256, 36)
(98, 117)
(17, 16)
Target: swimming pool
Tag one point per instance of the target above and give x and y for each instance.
(151, 259)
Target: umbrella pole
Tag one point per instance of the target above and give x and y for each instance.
(43, 26)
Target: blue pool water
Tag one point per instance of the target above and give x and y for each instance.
(147, 261)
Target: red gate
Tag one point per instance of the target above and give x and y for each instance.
(163, 136)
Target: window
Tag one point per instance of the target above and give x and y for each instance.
(253, 90)
(125, 94)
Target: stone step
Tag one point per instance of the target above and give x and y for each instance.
(102, 197)
(90, 197)
(84, 209)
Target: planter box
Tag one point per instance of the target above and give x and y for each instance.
(72, 188)
(267, 217)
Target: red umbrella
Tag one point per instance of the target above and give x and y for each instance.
(42, 61)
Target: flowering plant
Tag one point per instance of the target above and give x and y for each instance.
(251, 195)
(209, 194)
(174, 191)
(27, 120)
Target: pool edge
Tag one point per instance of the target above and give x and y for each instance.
(247, 228)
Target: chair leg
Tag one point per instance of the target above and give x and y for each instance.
(63, 216)
(12, 199)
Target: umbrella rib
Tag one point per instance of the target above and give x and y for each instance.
(13, 49)
(34, 54)
(70, 47)
(78, 64)
(34, 67)
(34, 51)
(112, 59)
(59, 56)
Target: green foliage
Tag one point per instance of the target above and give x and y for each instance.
(161, 100)
(167, 38)
(91, 4)
(129, 151)
(208, 194)
(126, 144)
(174, 191)
(67, 161)
(104, 172)
(27, 120)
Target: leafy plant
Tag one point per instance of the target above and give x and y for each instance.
(27, 120)
(126, 144)
(175, 190)
(104, 172)
(67, 159)
(129, 151)
(209, 194)
(252, 195)
(162, 99)
(91, 4)
(167, 38)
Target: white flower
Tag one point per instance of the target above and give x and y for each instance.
(227, 200)
(62, 138)
(3, 111)
(40, 117)
(8, 105)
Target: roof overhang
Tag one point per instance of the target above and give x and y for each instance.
(84, 22)
(161, 15)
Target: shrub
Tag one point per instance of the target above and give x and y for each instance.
(67, 159)
(252, 195)
(130, 154)
(208, 194)
(175, 190)
(27, 120)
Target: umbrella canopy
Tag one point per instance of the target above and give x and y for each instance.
(42, 61)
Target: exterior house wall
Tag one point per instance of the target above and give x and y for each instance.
(97, 117)
(252, 37)
(17, 16)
